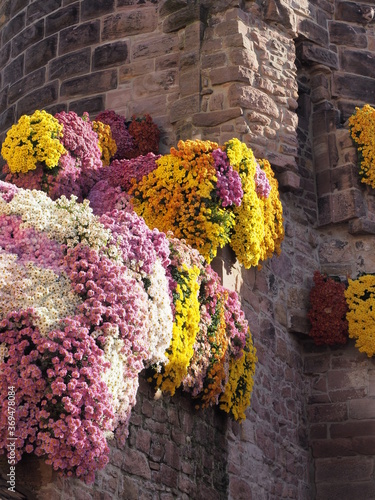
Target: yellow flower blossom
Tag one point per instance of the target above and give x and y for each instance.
(362, 129)
(107, 144)
(33, 139)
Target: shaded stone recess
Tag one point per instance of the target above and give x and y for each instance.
(282, 76)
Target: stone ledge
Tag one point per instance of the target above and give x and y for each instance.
(361, 226)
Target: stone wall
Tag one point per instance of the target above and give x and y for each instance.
(283, 77)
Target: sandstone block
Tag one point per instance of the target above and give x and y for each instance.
(181, 18)
(154, 46)
(346, 490)
(96, 8)
(214, 118)
(40, 54)
(359, 62)
(362, 408)
(62, 18)
(37, 10)
(90, 104)
(347, 34)
(129, 23)
(13, 27)
(26, 84)
(308, 53)
(154, 83)
(136, 463)
(183, 108)
(353, 429)
(248, 97)
(5, 54)
(27, 37)
(355, 12)
(343, 468)
(314, 32)
(38, 99)
(111, 54)
(359, 88)
(14, 71)
(77, 37)
(240, 489)
(72, 64)
(347, 205)
(89, 84)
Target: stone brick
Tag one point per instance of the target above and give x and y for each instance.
(8, 118)
(169, 476)
(129, 23)
(331, 448)
(240, 489)
(359, 88)
(111, 54)
(219, 76)
(38, 99)
(359, 62)
(5, 54)
(347, 205)
(136, 463)
(96, 8)
(93, 105)
(25, 85)
(155, 83)
(345, 490)
(183, 108)
(362, 408)
(154, 46)
(27, 37)
(77, 37)
(72, 64)
(13, 27)
(37, 10)
(40, 53)
(354, 12)
(353, 429)
(214, 118)
(343, 468)
(13, 71)
(347, 34)
(89, 84)
(308, 53)
(62, 18)
(16, 6)
(314, 32)
(181, 18)
(361, 226)
(335, 412)
(248, 97)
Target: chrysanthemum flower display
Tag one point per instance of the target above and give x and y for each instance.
(362, 129)
(211, 196)
(360, 297)
(107, 144)
(72, 289)
(327, 313)
(31, 141)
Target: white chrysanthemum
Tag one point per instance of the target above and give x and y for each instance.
(121, 383)
(27, 285)
(161, 316)
(63, 220)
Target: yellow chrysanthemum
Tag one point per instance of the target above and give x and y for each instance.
(107, 144)
(360, 296)
(362, 129)
(185, 329)
(33, 139)
(237, 394)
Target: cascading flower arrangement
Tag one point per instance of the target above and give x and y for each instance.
(360, 297)
(80, 317)
(211, 196)
(328, 311)
(362, 130)
(90, 295)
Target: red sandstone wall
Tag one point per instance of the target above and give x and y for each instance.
(215, 70)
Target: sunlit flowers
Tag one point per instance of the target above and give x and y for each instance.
(33, 139)
(362, 129)
(360, 297)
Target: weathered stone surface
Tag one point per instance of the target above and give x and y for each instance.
(215, 118)
(309, 53)
(359, 88)
(358, 62)
(40, 53)
(361, 226)
(27, 37)
(355, 12)
(92, 105)
(38, 99)
(37, 10)
(181, 18)
(226, 74)
(154, 46)
(62, 18)
(347, 34)
(183, 108)
(96, 8)
(72, 64)
(25, 85)
(13, 27)
(111, 54)
(13, 71)
(314, 32)
(89, 84)
(128, 23)
(77, 37)
(249, 97)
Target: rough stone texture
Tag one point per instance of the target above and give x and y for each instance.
(283, 76)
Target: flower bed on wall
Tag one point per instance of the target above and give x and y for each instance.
(94, 288)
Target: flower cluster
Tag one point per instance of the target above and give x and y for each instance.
(362, 129)
(107, 144)
(360, 297)
(34, 139)
(137, 137)
(327, 313)
(211, 196)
